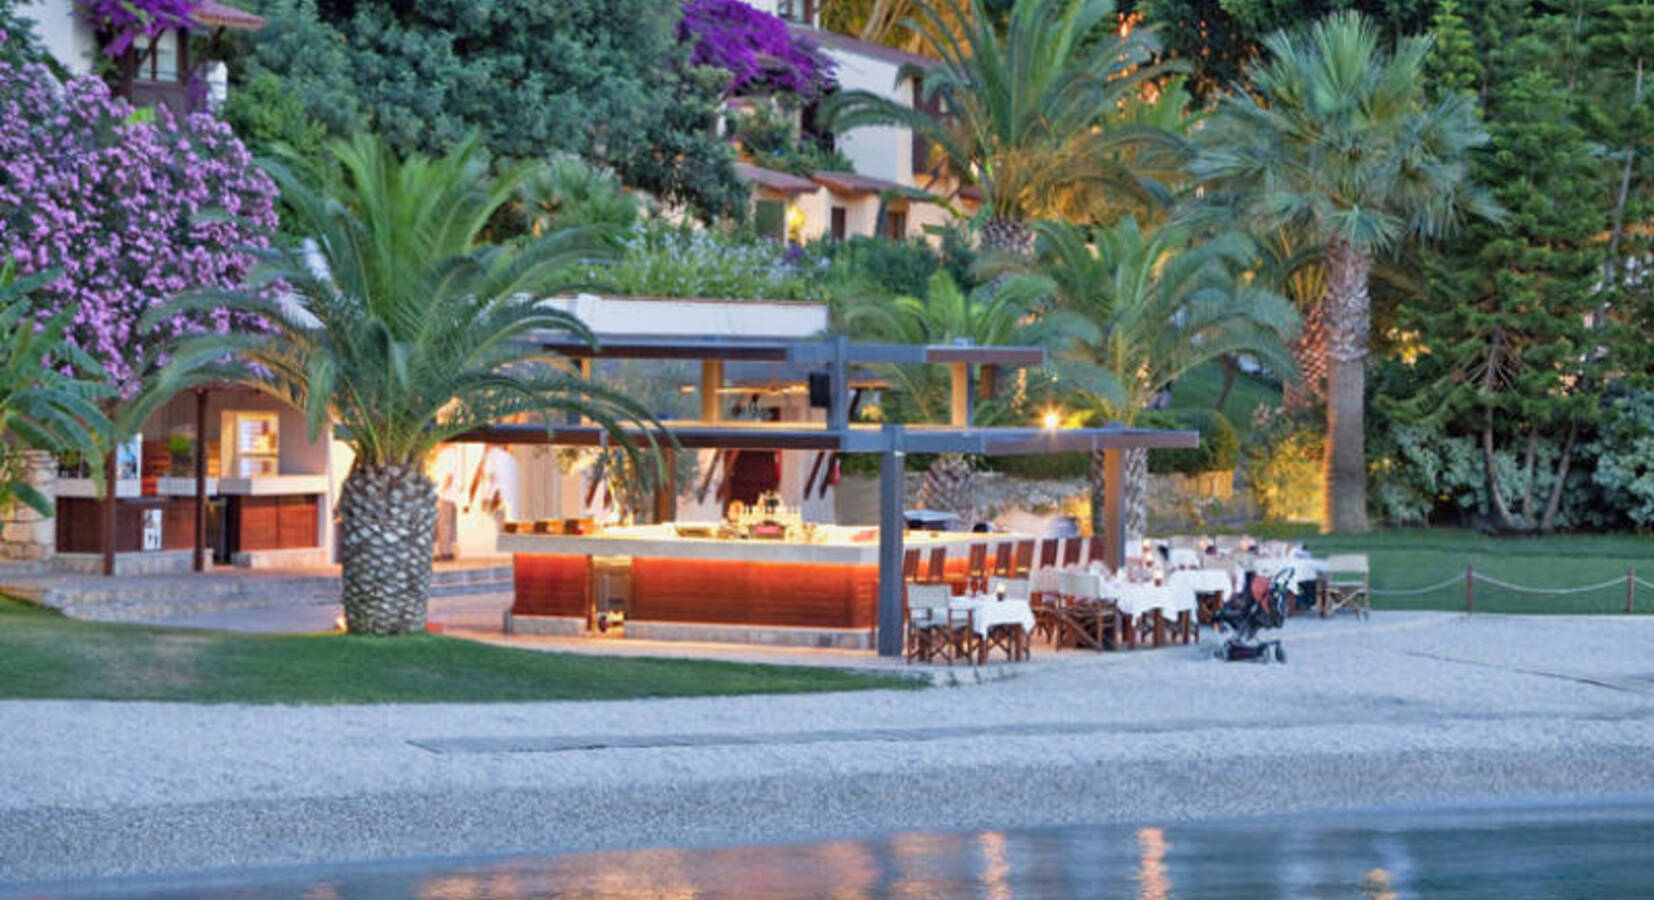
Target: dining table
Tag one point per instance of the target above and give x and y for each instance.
(998, 623)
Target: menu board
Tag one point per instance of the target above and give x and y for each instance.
(253, 445)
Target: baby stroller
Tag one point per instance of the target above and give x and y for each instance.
(1260, 605)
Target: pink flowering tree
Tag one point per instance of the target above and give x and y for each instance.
(124, 21)
(761, 55)
(131, 210)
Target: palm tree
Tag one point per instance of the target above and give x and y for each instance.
(1339, 138)
(49, 391)
(1027, 115)
(945, 315)
(399, 323)
(1130, 312)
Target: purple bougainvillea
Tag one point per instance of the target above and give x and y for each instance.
(125, 20)
(131, 211)
(756, 48)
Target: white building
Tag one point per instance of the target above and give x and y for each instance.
(890, 193)
(153, 70)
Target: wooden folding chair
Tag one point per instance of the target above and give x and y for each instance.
(910, 564)
(929, 621)
(1094, 551)
(976, 570)
(1347, 585)
(938, 572)
(1071, 551)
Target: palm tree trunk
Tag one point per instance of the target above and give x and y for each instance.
(387, 520)
(1135, 493)
(1310, 349)
(1002, 234)
(948, 485)
(1348, 316)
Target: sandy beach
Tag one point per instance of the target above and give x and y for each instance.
(1407, 709)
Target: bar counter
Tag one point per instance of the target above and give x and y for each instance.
(819, 593)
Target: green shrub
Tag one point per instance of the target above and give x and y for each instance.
(659, 260)
(1624, 454)
(1284, 468)
(1219, 448)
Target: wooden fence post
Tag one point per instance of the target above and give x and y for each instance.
(1631, 589)
(1469, 588)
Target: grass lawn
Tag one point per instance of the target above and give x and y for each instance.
(45, 655)
(1414, 558)
(1200, 387)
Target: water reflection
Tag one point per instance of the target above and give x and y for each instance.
(1545, 853)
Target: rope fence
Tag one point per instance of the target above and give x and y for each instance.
(1470, 577)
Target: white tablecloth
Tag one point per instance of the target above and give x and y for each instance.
(1135, 599)
(1203, 581)
(1183, 558)
(988, 612)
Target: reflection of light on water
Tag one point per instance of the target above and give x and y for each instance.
(1152, 883)
(998, 866)
(642, 873)
(322, 892)
(921, 861)
(852, 869)
(1375, 885)
(471, 886)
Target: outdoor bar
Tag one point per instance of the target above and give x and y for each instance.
(816, 584)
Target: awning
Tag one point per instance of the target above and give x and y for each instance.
(218, 15)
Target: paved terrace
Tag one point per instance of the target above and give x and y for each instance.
(1407, 709)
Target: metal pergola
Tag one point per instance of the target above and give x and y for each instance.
(891, 442)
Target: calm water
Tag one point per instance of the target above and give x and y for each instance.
(1600, 851)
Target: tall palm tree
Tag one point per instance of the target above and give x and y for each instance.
(50, 392)
(1130, 312)
(1339, 138)
(402, 325)
(1027, 115)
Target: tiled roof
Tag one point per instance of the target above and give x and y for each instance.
(782, 182)
(835, 41)
(851, 183)
(214, 14)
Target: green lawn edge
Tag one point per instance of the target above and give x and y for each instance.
(47, 656)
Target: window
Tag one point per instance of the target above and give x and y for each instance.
(837, 224)
(770, 219)
(164, 65)
(895, 224)
(803, 11)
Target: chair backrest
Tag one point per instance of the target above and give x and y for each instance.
(1002, 559)
(1025, 559)
(924, 599)
(977, 563)
(938, 564)
(910, 564)
(1094, 551)
(1347, 564)
(1071, 551)
(1048, 554)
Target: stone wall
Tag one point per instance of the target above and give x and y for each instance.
(26, 535)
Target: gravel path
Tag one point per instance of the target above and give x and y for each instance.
(1403, 710)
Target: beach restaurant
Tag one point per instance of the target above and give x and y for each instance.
(760, 573)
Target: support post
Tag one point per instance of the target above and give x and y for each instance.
(666, 491)
(1469, 588)
(959, 413)
(712, 379)
(199, 563)
(838, 373)
(1114, 508)
(1631, 589)
(111, 491)
(891, 525)
(582, 368)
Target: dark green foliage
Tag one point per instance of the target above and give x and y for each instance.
(1219, 448)
(1219, 37)
(896, 268)
(605, 80)
(18, 42)
(1453, 64)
